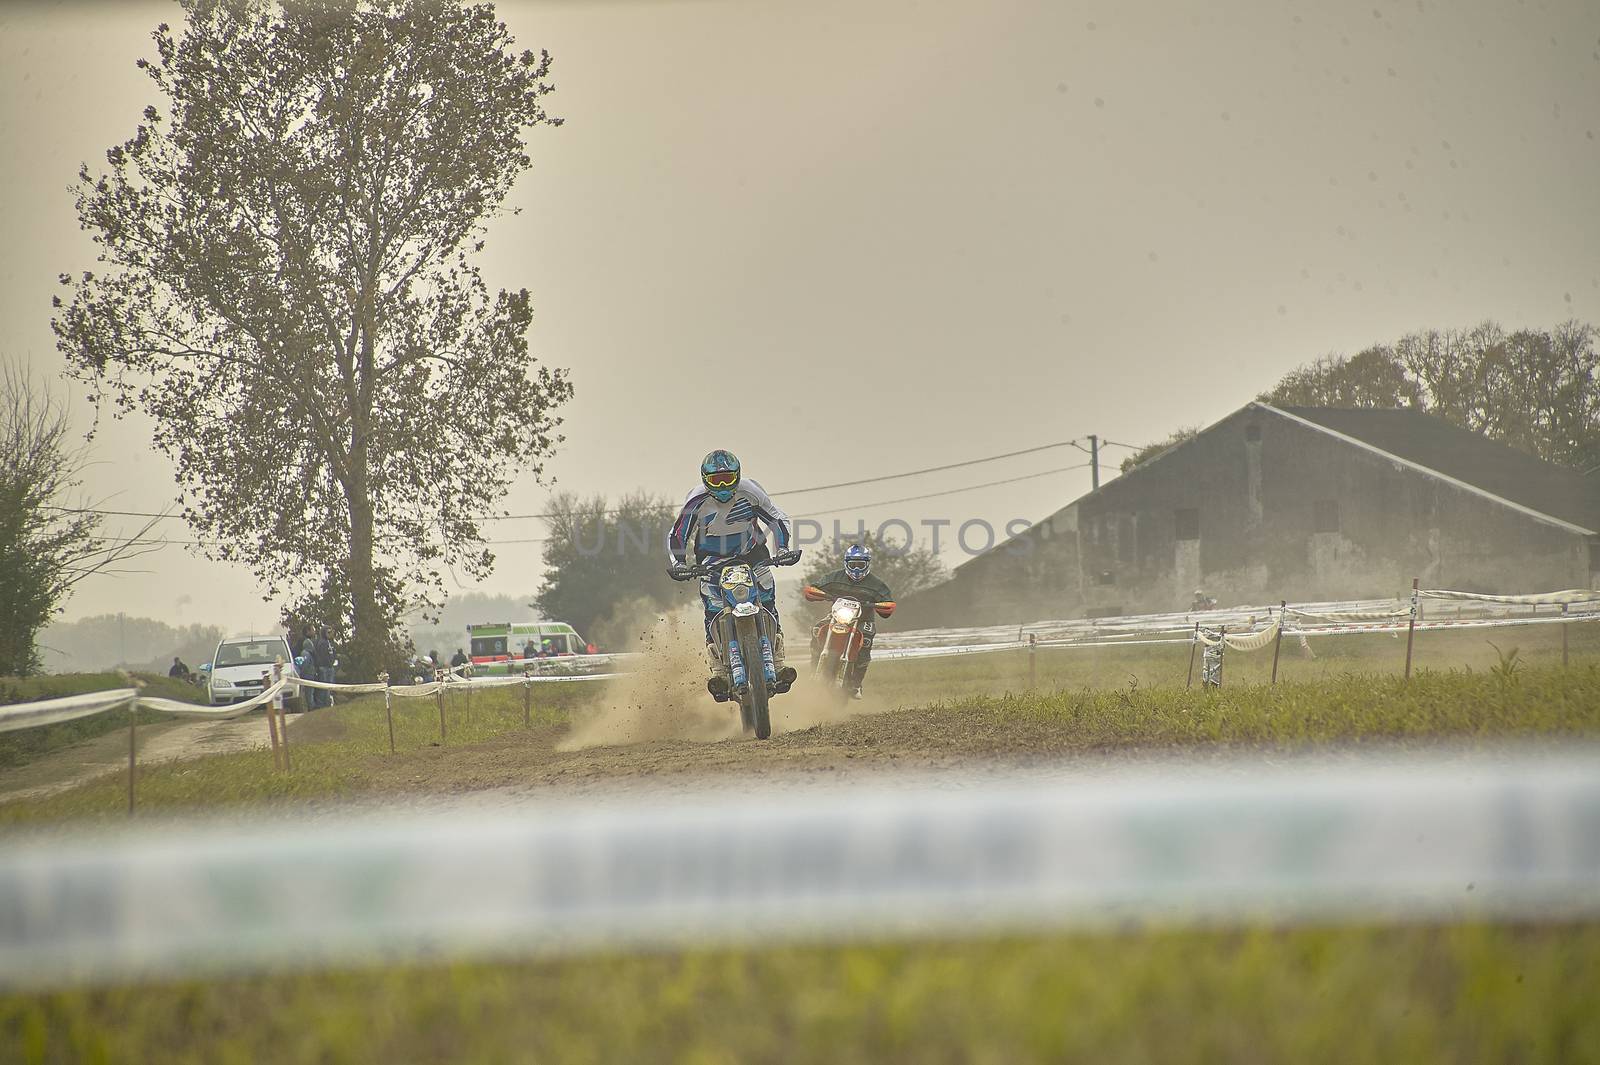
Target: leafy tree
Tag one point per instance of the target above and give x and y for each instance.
(1150, 451)
(288, 286)
(1536, 390)
(1371, 378)
(48, 540)
(601, 561)
(904, 567)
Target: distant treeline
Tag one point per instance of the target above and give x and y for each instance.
(1537, 390)
(112, 641)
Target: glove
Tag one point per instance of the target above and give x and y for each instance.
(786, 558)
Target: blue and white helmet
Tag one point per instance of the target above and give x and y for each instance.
(719, 472)
(857, 562)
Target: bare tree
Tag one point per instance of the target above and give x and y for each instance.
(49, 538)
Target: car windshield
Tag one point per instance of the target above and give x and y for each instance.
(486, 646)
(251, 653)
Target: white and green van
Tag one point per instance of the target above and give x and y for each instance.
(495, 644)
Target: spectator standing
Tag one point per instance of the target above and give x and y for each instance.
(179, 671)
(322, 655)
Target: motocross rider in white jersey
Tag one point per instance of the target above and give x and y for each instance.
(731, 517)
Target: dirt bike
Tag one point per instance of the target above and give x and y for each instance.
(744, 631)
(842, 634)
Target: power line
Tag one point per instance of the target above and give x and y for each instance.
(930, 469)
(809, 514)
(612, 512)
(948, 492)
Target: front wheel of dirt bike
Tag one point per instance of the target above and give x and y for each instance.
(753, 705)
(829, 666)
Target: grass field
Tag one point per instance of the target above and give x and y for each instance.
(1384, 995)
(344, 753)
(1459, 993)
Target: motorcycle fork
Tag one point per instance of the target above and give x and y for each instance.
(769, 665)
(737, 664)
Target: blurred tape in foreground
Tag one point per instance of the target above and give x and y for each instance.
(1441, 838)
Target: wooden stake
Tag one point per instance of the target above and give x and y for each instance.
(1411, 627)
(1563, 636)
(439, 697)
(388, 711)
(527, 699)
(1277, 641)
(283, 724)
(1195, 640)
(1033, 656)
(133, 724)
(272, 730)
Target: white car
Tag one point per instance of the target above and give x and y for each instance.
(241, 664)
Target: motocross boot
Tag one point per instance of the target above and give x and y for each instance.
(858, 676)
(718, 684)
(786, 674)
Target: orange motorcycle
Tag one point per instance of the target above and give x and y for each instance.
(841, 635)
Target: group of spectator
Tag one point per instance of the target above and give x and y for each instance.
(315, 660)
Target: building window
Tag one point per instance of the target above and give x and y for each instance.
(1594, 556)
(1252, 434)
(1325, 516)
(1187, 521)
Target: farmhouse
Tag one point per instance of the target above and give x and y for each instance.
(1292, 503)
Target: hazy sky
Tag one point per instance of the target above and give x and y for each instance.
(984, 227)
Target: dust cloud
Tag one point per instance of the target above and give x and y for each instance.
(663, 696)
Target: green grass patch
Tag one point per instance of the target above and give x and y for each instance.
(23, 746)
(1460, 993)
(345, 752)
(1550, 703)
(332, 753)
(1329, 658)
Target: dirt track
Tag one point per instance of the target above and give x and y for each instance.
(165, 742)
(544, 763)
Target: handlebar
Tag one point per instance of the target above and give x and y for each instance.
(685, 572)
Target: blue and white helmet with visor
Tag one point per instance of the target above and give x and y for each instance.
(719, 472)
(857, 562)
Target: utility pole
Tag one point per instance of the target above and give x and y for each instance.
(1094, 462)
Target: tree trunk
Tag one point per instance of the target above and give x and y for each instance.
(370, 633)
(369, 638)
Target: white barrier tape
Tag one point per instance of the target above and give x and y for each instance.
(1431, 839)
(1432, 626)
(66, 708)
(890, 654)
(1571, 595)
(1253, 641)
(45, 712)
(1176, 622)
(414, 691)
(1184, 642)
(168, 706)
(350, 689)
(1350, 615)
